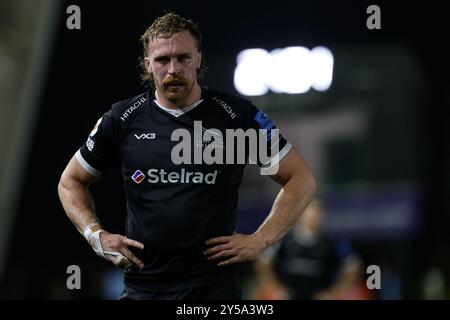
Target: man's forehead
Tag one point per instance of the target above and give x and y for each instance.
(180, 40)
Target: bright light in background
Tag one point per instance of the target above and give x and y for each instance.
(322, 64)
(251, 72)
(290, 70)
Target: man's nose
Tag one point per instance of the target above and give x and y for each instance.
(174, 67)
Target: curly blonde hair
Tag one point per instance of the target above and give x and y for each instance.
(165, 27)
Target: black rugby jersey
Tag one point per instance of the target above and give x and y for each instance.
(174, 208)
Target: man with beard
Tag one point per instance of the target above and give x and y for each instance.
(180, 240)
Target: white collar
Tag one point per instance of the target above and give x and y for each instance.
(179, 112)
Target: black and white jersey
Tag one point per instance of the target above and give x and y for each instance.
(173, 207)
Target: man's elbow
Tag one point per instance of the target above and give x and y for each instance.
(63, 184)
(309, 185)
(67, 182)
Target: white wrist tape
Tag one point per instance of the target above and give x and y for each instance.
(89, 229)
(93, 238)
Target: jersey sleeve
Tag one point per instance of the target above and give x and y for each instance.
(272, 146)
(98, 151)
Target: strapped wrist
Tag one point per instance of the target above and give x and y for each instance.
(90, 229)
(92, 234)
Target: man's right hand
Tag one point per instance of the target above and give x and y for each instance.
(118, 243)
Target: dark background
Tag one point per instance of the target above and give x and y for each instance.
(96, 66)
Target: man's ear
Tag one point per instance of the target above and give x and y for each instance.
(147, 64)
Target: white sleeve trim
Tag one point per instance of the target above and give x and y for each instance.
(276, 159)
(86, 166)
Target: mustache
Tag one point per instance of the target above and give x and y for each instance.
(174, 80)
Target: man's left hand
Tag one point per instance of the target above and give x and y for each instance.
(237, 247)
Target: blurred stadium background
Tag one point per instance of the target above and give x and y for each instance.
(376, 140)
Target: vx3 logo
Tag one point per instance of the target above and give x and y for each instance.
(145, 136)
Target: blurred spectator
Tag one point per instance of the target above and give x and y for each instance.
(308, 264)
(390, 281)
(433, 284)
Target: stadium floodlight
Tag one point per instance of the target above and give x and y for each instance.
(291, 70)
(322, 63)
(250, 73)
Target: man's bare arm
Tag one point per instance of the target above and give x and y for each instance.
(79, 206)
(75, 196)
(298, 189)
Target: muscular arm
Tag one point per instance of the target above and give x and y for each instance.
(298, 189)
(75, 196)
(79, 206)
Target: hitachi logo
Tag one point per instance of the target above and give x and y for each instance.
(135, 105)
(161, 175)
(225, 107)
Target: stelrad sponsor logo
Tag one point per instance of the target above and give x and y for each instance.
(138, 176)
(182, 176)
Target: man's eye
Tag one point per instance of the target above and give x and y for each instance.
(162, 60)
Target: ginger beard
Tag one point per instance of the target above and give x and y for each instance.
(175, 88)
